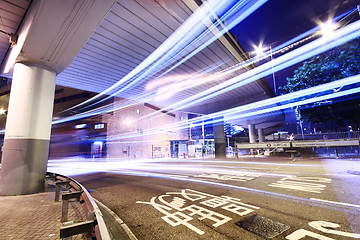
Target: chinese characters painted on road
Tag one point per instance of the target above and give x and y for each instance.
(180, 208)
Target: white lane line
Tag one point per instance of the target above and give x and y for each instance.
(118, 220)
(339, 203)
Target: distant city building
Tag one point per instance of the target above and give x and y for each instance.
(142, 131)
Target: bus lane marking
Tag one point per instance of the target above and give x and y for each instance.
(180, 208)
(305, 184)
(228, 177)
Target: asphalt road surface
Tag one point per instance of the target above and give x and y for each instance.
(245, 198)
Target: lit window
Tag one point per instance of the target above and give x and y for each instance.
(99, 126)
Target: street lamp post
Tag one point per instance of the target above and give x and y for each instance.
(191, 125)
(259, 51)
(272, 68)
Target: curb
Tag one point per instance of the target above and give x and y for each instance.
(118, 220)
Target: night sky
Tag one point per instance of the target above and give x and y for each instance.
(280, 20)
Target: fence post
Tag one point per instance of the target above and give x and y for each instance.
(58, 184)
(46, 181)
(90, 217)
(64, 210)
(65, 205)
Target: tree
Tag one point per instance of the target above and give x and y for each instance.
(338, 63)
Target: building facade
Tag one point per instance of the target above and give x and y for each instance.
(143, 131)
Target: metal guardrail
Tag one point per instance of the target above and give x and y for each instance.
(314, 136)
(325, 147)
(94, 227)
(299, 144)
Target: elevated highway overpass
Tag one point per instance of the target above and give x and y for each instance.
(142, 51)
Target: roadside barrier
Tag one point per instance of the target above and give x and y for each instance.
(94, 226)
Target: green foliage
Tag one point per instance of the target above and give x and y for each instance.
(338, 63)
(335, 64)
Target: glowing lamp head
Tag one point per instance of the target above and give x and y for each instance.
(2, 111)
(259, 51)
(327, 28)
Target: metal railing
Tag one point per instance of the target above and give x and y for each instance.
(94, 226)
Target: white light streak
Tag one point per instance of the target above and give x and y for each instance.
(318, 46)
(181, 38)
(311, 49)
(266, 106)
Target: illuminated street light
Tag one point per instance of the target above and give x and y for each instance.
(328, 28)
(259, 51)
(2, 111)
(272, 68)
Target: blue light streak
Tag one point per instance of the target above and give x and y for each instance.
(166, 51)
(305, 34)
(244, 13)
(268, 105)
(318, 46)
(140, 168)
(311, 49)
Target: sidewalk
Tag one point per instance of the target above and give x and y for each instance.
(34, 216)
(38, 216)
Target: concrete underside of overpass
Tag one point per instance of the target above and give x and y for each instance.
(93, 45)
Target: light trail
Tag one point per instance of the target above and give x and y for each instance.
(293, 96)
(243, 109)
(295, 40)
(304, 102)
(84, 165)
(268, 68)
(318, 46)
(248, 8)
(245, 13)
(180, 38)
(309, 50)
(268, 105)
(77, 168)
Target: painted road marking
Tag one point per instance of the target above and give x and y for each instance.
(179, 208)
(328, 227)
(304, 184)
(226, 177)
(324, 227)
(338, 203)
(301, 233)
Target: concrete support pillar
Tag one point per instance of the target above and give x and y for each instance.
(261, 135)
(219, 135)
(28, 129)
(252, 136)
